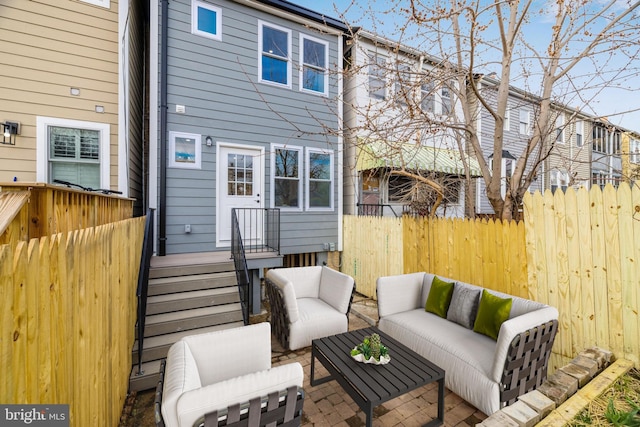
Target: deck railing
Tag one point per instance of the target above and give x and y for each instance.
(240, 263)
(370, 209)
(143, 283)
(259, 229)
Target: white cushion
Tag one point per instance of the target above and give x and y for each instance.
(466, 357)
(196, 403)
(229, 353)
(317, 319)
(399, 293)
(180, 376)
(305, 280)
(336, 289)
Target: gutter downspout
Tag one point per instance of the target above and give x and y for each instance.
(162, 220)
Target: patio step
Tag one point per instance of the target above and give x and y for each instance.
(188, 294)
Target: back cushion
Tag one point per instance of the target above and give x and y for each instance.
(336, 289)
(305, 280)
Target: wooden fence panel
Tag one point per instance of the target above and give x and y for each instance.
(68, 313)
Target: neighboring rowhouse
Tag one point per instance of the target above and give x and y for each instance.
(399, 111)
(71, 93)
(249, 117)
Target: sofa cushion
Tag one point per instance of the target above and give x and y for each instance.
(336, 289)
(466, 357)
(181, 375)
(464, 305)
(439, 297)
(196, 403)
(305, 280)
(316, 319)
(492, 312)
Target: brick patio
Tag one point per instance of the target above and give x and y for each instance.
(328, 405)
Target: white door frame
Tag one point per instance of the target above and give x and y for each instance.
(220, 168)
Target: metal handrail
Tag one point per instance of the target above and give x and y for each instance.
(371, 209)
(143, 282)
(240, 264)
(259, 229)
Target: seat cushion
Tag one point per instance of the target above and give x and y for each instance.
(316, 319)
(466, 357)
(180, 376)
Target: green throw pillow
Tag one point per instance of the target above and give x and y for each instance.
(439, 297)
(492, 312)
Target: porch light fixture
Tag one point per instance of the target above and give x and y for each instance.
(209, 141)
(9, 132)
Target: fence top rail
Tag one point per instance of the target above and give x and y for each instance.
(42, 186)
(10, 205)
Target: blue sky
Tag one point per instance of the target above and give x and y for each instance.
(609, 101)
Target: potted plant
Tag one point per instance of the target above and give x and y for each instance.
(371, 350)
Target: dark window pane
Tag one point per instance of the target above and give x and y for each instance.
(274, 42)
(207, 20)
(319, 194)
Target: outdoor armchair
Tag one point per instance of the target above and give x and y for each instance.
(225, 376)
(308, 303)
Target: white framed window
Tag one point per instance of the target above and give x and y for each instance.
(506, 124)
(185, 150)
(445, 100)
(427, 97)
(634, 151)
(525, 124)
(377, 76)
(274, 65)
(579, 133)
(102, 3)
(559, 180)
(286, 177)
(206, 20)
(560, 129)
(506, 171)
(319, 179)
(73, 151)
(314, 57)
(402, 86)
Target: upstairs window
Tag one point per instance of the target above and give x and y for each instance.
(287, 188)
(506, 124)
(634, 151)
(377, 86)
(445, 99)
(313, 75)
(102, 3)
(579, 133)
(427, 97)
(319, 180)
(560, 129)
(559, 180)
(525, 124)
(275, 45)
(402, 86)
(599, 140)
(206, 20)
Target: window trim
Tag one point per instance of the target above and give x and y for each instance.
(102, 3)
(194, 20)
(580, 132)
(634, 150)
(560, 129)
(197, 164)
(261, 25)
(307, 180)
(272, 178)
(42, 145)
(528, 122)
(381, 63)
(506, 124)
(325, 69)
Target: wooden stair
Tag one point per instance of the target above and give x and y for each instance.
(188, 294)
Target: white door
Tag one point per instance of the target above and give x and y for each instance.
(240, 185)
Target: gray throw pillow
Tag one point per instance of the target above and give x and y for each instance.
(464, 305)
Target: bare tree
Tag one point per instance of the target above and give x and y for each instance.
(572, 51)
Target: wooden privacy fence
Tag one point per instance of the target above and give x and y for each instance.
(578, 251)
(68, 307)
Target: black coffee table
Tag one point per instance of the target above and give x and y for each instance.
(371, 385)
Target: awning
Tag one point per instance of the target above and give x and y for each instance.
(381, 154)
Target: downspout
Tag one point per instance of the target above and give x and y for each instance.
(162, 214)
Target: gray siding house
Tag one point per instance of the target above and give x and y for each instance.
(249, 113)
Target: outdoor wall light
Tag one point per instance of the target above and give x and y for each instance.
(9, 132)
(209, 141)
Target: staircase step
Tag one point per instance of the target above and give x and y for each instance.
(187, 300)
(186, 270)
(148, 379)
(178, 321)
(169, 285)
(158, 346)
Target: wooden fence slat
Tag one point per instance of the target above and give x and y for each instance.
(573, 266)
(6, 321)
(600, 298)
(612, 263)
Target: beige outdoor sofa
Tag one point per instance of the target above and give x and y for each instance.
(225, 377)
(308, 303)
(488, 373)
